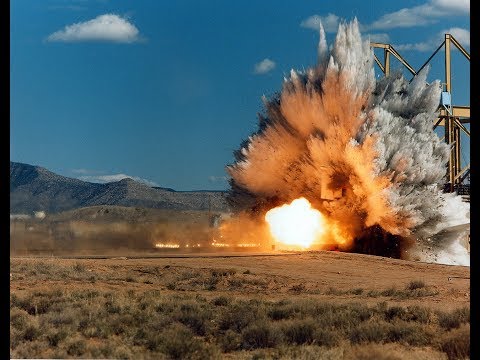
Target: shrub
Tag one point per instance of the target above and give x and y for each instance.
(297, 288)
(260, 334)
(410, 333)
(235, 283)
(357, 291)
(223, 272)
(178, 342)
(332, 291)
(415, 284)
(456, 343)
(29, 350)
(221, 301)
(389, 292)
(119, 352)
(79, 268)
(418, 314)
(211, 283)
(280, 312)
(370, 332)
(19, 318)
(31, 332)
(371, 351)
(239, 315)
(61, 318)
(327, 338)
(194, 316)
(300, 331)
(140, 337)
(112, 307)
(171, 286)
(395, 312)
(56, 336)
(452, 320)
(76, 347)
(343, 317)
(231, 341)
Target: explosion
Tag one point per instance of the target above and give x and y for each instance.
(362, 151)
(296, 223)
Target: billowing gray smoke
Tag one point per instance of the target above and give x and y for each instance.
(362, 151)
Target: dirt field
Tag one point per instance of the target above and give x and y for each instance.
(317, 272)
(294, 278)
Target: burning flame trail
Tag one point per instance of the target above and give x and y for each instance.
(362, 151)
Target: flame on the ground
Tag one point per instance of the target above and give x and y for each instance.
(168, 246)
(296, 224)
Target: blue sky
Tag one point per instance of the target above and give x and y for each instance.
(164, 92)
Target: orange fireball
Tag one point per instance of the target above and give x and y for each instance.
(296, 224)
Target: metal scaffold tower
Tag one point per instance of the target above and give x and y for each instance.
(451, 117)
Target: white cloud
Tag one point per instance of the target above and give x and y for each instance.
(421, 46)
(329, 22)
(457, 6)
(108, 27)
(115, 177)
(82, 171)
(264, 66)
(461, 35)
(213, 178)
(422, 15)
(379, 37)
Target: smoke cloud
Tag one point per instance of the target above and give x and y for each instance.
(361, 150)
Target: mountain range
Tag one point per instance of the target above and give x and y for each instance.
(34, 188)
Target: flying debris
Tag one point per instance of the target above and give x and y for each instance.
(360, 150)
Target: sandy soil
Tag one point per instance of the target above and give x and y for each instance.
(314, 271)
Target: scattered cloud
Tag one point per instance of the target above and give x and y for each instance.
(264, 66)
(422, 15)
(115, 177)
(461, 35)
(84, 171)
(379, 37)
(213, 178)
(329, 22)
(108, 27)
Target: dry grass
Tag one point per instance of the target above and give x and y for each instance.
(185, 313)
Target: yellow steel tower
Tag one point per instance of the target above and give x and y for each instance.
(451, 117)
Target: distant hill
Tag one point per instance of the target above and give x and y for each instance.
(34, 188)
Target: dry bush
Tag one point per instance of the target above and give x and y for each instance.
(76, 347)
(456, 343)
(452, 320)
(299, 331)
(230, 341)
(410, 333)
(195, 316)
(161, 324)
(281, 310)
(371, 351)
(178, 342)
(221, 301)
(261, 334)
(415, 284)
(371, 331)
(241, 314)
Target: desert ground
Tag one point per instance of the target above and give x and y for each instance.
(276, 305)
